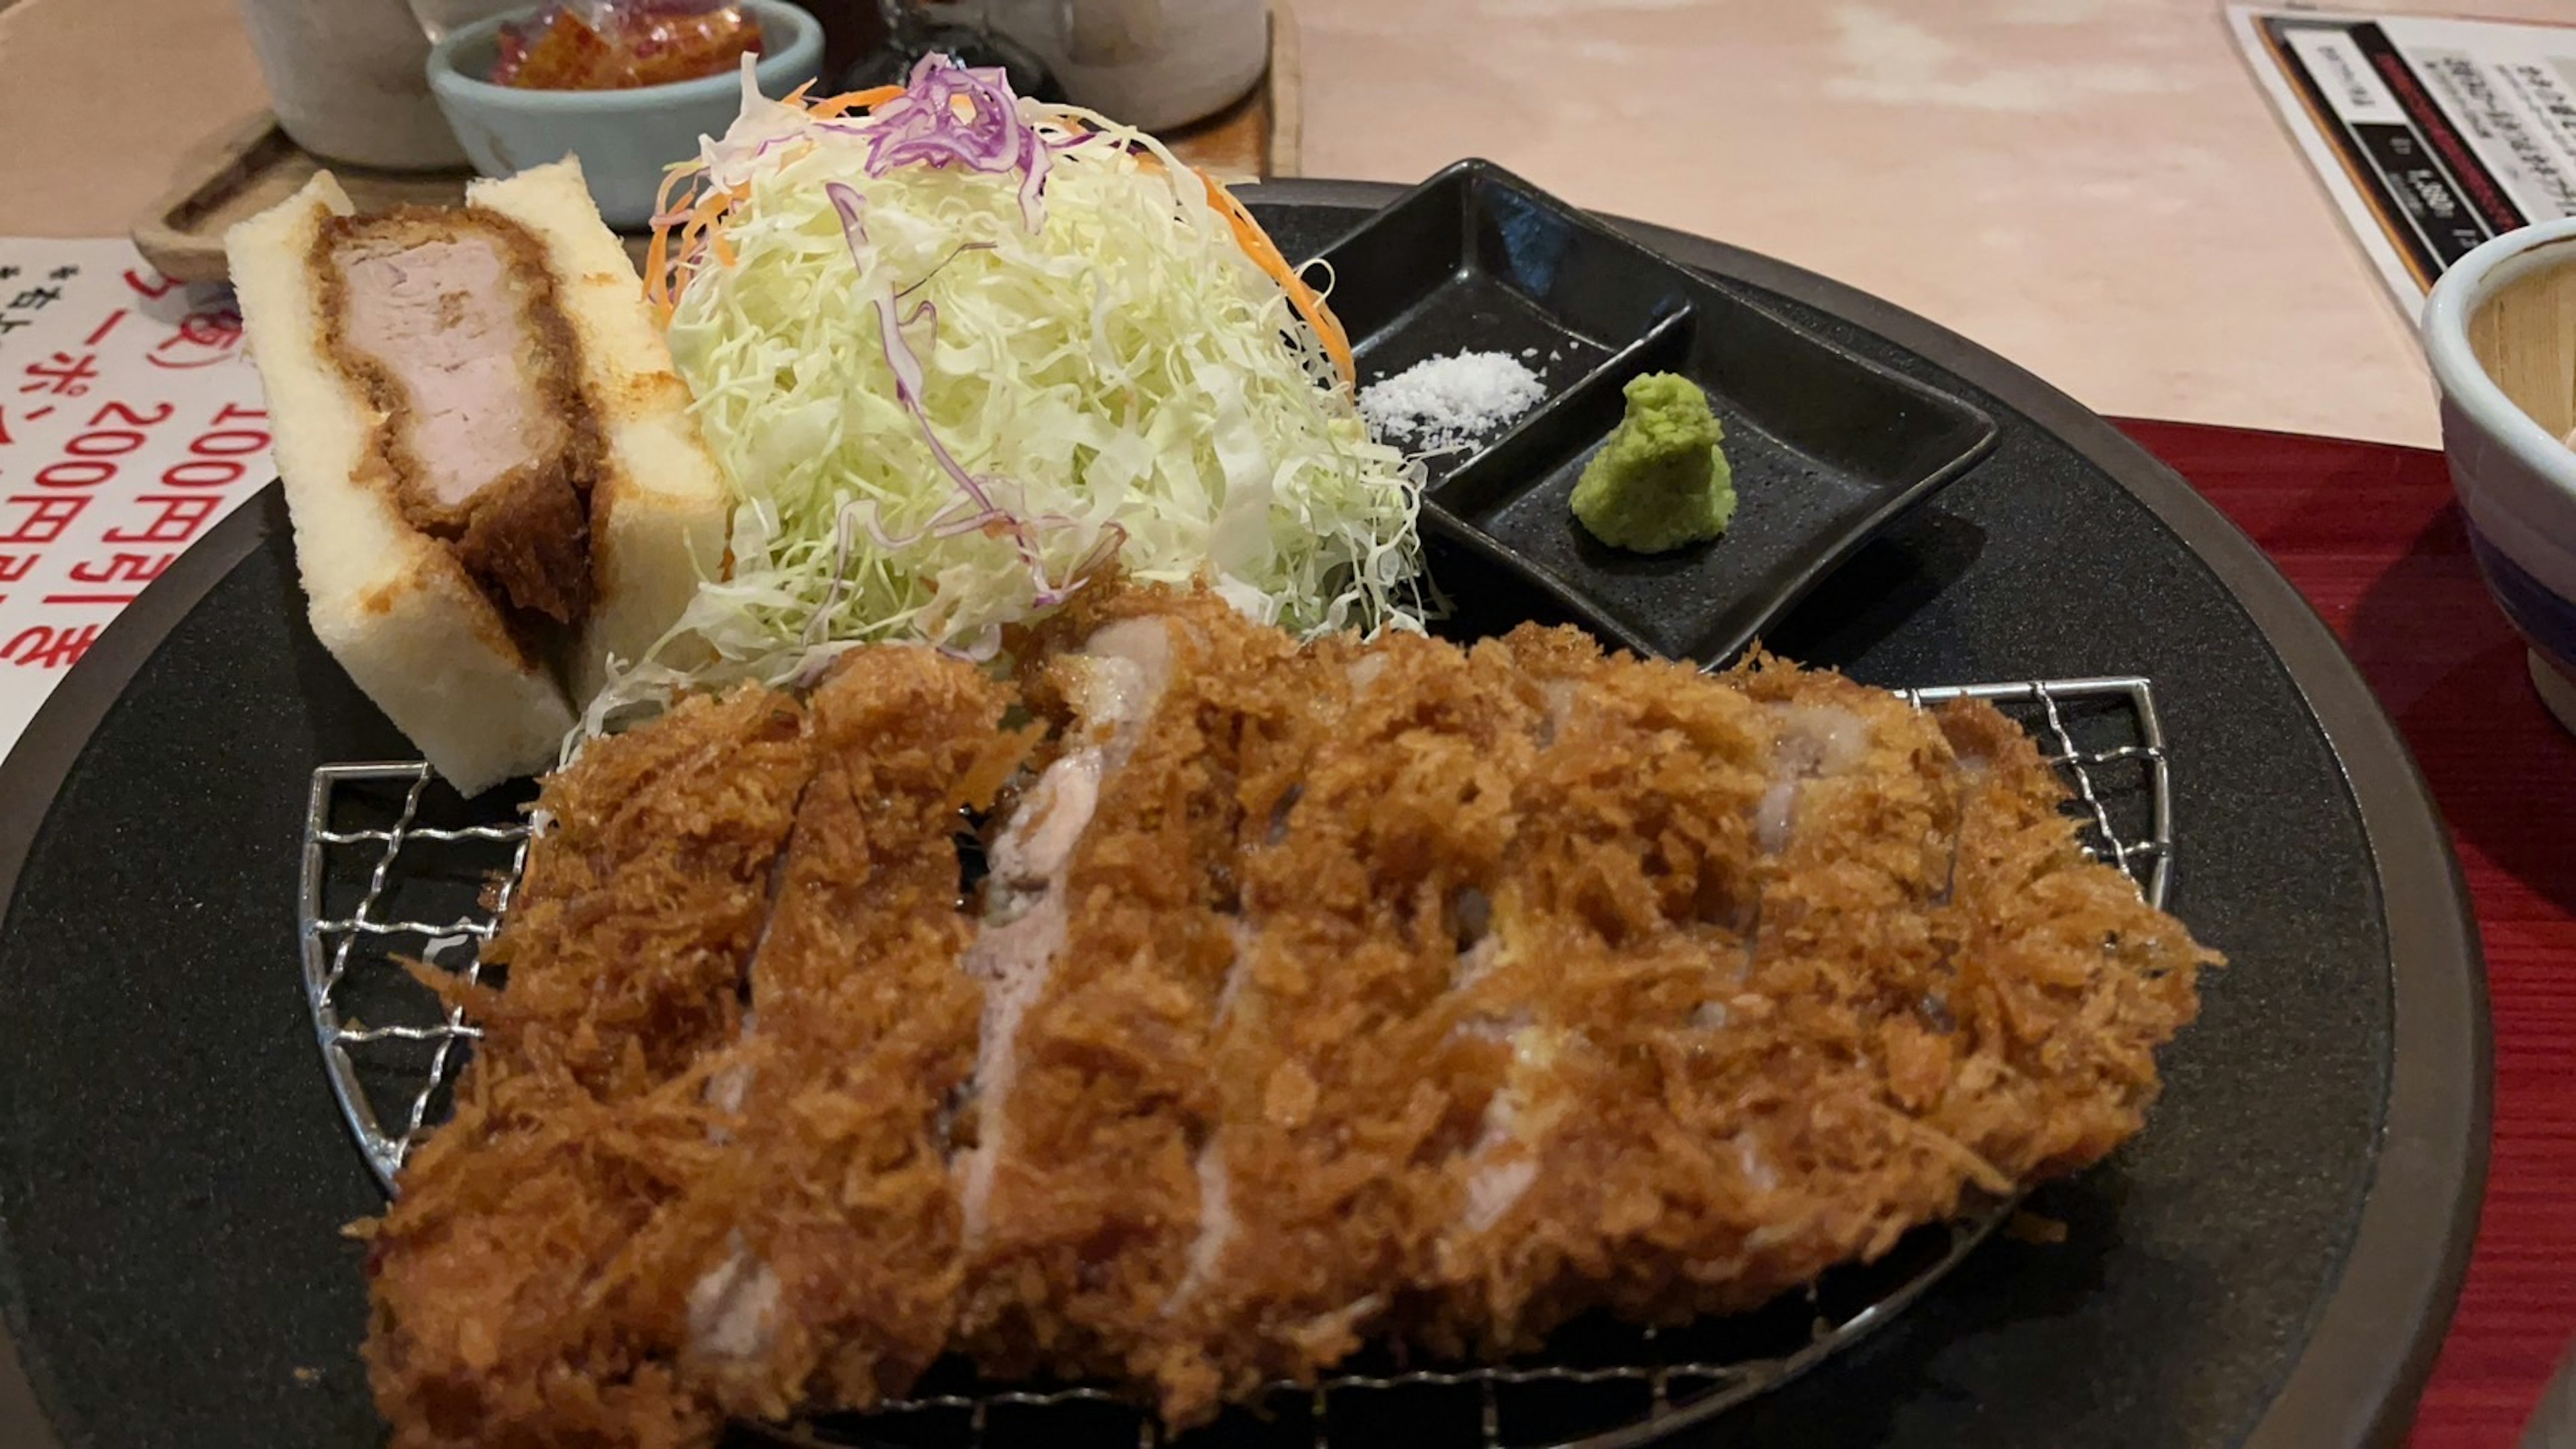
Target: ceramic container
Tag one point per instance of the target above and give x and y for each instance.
(2500, 332)
(1153, 64)
(625, 138)
(344, 77)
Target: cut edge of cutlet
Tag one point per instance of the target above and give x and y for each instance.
(834, 1195)
(514, 1281)
(1083, 1195)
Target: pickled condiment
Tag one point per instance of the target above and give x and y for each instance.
(619, 46)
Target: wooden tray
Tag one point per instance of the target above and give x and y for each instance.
(252, 169)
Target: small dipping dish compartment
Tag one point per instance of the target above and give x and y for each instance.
(1826, 447)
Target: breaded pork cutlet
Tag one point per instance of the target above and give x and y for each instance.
(1777, 1061)
(641, 901)
(1723, 864)
(1620, 921)
(841, 1277)
(1573, 983)
(1316, 994)
(504, 1278)
(656, 1205)
(1381, 796)
(1108, 934)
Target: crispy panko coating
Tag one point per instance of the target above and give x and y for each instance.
(646, 1213)
(629, 932)
(519, 1296)
(1091, 1145)
(1318, 994)
(843, 1275)
(1350, 1071)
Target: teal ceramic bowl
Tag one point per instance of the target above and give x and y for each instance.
(625, 139)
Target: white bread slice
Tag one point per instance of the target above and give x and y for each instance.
(391, 605)
(660, 506)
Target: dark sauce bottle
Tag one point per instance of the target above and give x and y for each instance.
(915, 28)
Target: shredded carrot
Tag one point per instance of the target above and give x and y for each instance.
(657, 273)
(1264, 252)
(657, 253)
(848, 101)
(698, 222)
(670, 178)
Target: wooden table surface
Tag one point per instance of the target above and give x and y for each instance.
(2370, 536)
(2093, 188)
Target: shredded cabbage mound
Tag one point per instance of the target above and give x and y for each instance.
(1119, 380)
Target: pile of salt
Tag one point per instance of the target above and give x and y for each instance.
(1443, 401)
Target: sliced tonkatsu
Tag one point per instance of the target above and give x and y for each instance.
(1313, 994)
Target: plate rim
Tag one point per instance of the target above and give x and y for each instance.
(2356, 1381)
(32, 776)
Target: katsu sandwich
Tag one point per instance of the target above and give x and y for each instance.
(496, 485)
(1310, 994)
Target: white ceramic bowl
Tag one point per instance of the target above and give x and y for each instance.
(624, 138)
(2516, 483)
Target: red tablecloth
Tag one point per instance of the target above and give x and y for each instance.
(2369, 534)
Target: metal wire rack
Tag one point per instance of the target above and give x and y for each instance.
(354, 972)
(400, 879)
(2130, 768)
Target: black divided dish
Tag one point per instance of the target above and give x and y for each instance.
(1827, 447)
(2267, 1267)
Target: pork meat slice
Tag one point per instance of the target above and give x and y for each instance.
(451, 322)
(1112, 684)
(1106, 956)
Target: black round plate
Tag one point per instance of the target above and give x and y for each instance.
(2272, 1264)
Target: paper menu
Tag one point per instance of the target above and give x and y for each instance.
(131, 422)
(2432, 135)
